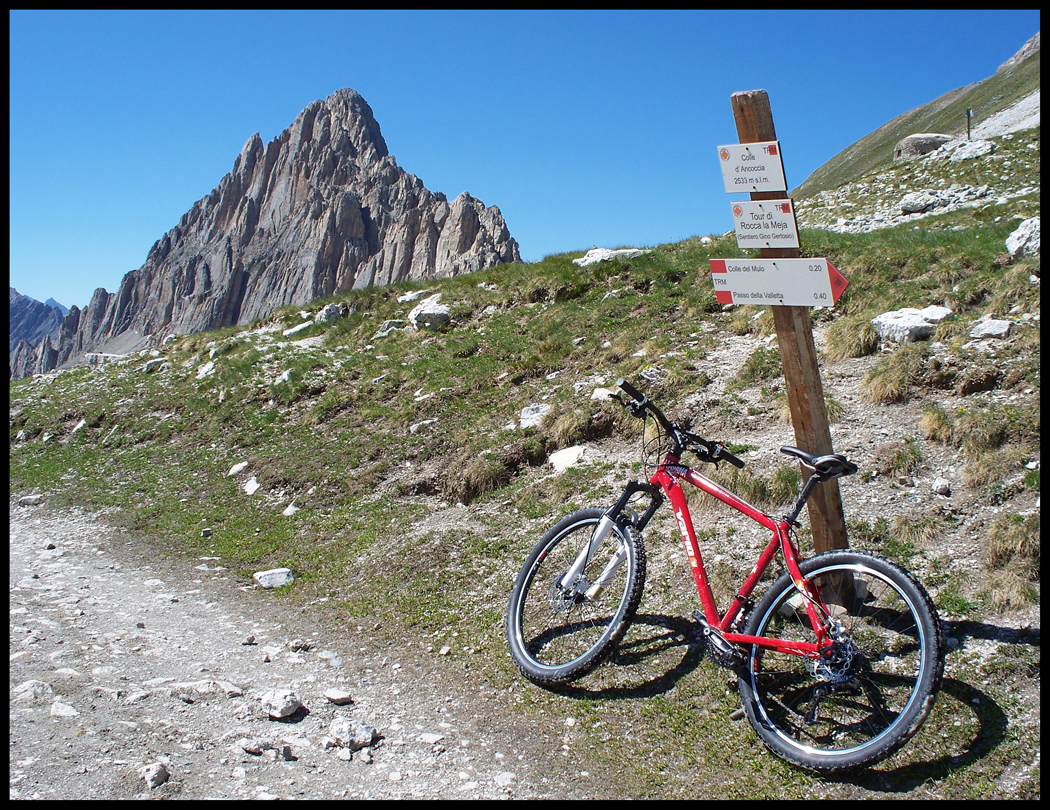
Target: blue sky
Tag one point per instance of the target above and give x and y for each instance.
(584, 127)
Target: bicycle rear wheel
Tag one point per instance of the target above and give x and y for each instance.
(557, 632)
(866, 700)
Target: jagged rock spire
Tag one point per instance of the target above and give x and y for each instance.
(321, 209)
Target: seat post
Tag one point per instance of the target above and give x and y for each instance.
(803, 496)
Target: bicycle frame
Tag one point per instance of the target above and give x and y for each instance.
(668, 478)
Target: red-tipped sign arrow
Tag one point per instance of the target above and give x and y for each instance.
(777, 282)
(838, 283)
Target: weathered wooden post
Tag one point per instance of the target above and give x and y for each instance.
(798, 353)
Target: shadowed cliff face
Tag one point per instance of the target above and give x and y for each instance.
(321, 209)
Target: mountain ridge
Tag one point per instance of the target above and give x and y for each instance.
(31, 320)
(1015, 79)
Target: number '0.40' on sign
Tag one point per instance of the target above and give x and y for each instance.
(777, 282)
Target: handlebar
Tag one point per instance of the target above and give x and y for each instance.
(712, 452)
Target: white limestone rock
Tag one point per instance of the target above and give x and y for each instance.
(274, 578)
(909, 324)
(1025, 240)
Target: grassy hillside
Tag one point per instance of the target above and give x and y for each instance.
(392, 476)
(946, 114)
(416, 496)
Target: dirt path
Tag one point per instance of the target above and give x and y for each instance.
(121, 660)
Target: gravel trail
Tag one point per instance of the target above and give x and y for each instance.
(123, 660)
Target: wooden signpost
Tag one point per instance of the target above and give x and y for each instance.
(758, 147)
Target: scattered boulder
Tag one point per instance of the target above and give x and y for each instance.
(59, 709)
(429, 314)
(352, 734)
(941, 486)
(1025, 240)
(387, 328)
(31, 500)
(604, 254)
(917, 202)
(253, 745)
(330, 313)
(967, 150)
(338, 697)
(411, 296)
(563, 459)
(281, 703)
(532, 415)
(274, 578)
(297, 329)
(155, 774)
(991, 328)
(908, 325)
(33, 691)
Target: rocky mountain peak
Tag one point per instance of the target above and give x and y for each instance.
(319, 210)
(30, 322)
(1030, 47)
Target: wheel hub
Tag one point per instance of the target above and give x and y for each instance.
(836, 665)
(565, 599)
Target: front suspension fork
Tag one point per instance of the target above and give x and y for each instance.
(611, 517)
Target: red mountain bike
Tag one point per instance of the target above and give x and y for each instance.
(838, 663)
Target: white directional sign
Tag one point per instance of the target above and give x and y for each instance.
(766, 224)
(777, 282)
(752, 167)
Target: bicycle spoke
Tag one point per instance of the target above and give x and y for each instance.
(862, 699)
(559, 630)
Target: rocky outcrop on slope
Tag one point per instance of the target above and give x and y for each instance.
(1029, 48)
(321, 209)
(960, 174)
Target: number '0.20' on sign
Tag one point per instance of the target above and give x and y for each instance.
(777, 282)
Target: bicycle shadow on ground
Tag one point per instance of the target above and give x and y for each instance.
(634, 670)
(991, 731)
(965, 628)
(992, 721)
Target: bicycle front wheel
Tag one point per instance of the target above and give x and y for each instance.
(867, 698)
(558, 631)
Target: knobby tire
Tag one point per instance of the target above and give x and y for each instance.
(554, 636)
(862, 706)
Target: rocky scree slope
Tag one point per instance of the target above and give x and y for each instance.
(984, 174)
(321, 209)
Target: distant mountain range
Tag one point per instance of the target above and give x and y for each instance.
(32, 321)
(51, 302)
